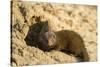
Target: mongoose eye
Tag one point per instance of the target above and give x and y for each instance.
(54, 36)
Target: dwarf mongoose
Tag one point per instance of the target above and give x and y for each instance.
(42, 37)
(64, 40)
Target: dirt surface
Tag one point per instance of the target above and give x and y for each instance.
(79, 18)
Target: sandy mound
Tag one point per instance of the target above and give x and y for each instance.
(78, 18)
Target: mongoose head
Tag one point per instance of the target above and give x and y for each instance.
(51, 38)
(47, 41)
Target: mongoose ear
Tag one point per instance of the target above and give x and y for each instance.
(44, 27)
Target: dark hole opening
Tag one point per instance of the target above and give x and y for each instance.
(33, 36)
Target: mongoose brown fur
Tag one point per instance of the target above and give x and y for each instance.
(64, 40)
